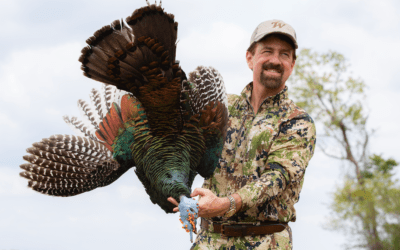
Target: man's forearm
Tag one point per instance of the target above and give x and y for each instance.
(264, 189)
(226, 204)
(238, 201)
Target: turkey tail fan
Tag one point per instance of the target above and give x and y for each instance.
(92, 115)
(207, 86)
(65, 165)
(80, 127)
(139, 57)
(204, 96)
(99, 105)
(86, 111)
(159, 30)
(106, 56)
(111, 95)
(116, 130)
(204, 101)
(109, 127)
(130, 56)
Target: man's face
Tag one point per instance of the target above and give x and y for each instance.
(272, 62)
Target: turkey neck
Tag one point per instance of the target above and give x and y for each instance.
(166, 163)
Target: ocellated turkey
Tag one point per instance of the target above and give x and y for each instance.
(148, 115)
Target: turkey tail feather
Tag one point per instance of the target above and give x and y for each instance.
(87, 112)
(99, 105)
(139, 57)
(69, 165)
(204, 104)
(80, 127)
(156, 25)
(208, 86)
(130, 56)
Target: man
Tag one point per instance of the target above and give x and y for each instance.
(268, 146)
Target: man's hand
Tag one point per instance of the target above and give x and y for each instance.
(210, 205)
(173, 201)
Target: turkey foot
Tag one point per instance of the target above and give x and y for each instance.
(189, 210)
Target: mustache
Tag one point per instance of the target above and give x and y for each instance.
(277, 67)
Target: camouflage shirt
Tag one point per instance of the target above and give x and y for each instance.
(264, 157)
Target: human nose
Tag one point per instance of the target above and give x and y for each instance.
(274, 58)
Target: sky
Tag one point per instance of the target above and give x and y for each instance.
(41, 80)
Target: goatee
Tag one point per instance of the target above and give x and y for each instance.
(270, 81)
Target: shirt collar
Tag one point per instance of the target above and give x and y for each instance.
(270, 100)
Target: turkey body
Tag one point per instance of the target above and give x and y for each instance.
(148, 115)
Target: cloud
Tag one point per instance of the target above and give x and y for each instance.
(9, 8)
(197, 182)
(373, 57)
(385, 14)
(371, 51)
(216, 44)
(7, 123)
(218, 47)
(316, 183)
(52, 111)
(132, 193)
(314, 219)
(11, 184)
(138, 218)
(35, 73)
(383, 103)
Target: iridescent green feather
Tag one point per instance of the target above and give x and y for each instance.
(122, 144)
(214, 144)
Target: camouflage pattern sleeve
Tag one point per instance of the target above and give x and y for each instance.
(262, 190)
(287, 161)
(232, 98)
(294, 147)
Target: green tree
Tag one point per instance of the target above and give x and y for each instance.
(368, 202)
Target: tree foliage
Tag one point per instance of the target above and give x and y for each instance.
(373, 207)
(368, 202)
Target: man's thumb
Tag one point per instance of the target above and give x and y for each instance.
(197, 191)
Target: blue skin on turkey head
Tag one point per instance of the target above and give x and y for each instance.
(189, 210)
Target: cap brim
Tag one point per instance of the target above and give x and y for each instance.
(261, 36)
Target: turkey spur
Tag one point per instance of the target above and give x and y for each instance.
(148, 115)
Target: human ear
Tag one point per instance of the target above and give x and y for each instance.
(249, 59)
(292, 66)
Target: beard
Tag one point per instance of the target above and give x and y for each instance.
(271, 82)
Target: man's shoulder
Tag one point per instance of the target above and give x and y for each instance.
(297, 119)
(296, 112)
(232, 98)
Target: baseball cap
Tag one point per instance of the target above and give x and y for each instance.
(273, 26)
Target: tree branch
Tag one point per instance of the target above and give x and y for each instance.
(364, 148)
(349, 152)
(333, 156)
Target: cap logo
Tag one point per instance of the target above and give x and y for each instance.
(278, 24)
